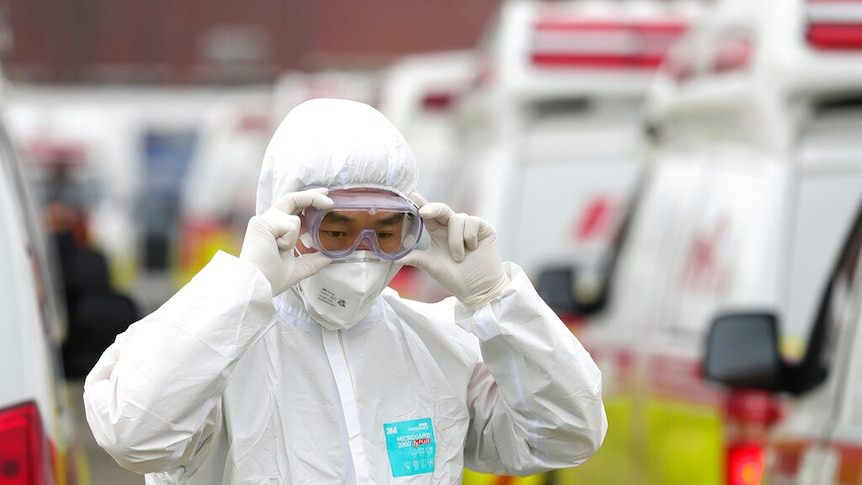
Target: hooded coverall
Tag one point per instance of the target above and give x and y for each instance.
(225, 383)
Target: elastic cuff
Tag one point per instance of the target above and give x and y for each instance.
(478, 301)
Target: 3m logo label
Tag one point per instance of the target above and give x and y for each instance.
(411, 447)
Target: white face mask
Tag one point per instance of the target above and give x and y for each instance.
(343, 293)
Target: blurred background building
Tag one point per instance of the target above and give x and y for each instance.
(129, 98)
(223, 41)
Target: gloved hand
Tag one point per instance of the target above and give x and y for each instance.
(270, 239)
(462, 255)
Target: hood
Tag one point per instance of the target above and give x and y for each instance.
(335, 143)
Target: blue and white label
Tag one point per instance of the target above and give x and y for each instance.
(411, 447)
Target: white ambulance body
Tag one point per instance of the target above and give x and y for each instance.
(753, 183)
(551, 134)
(816, 399)
(419, 94)
(37, 436)
(551, 140)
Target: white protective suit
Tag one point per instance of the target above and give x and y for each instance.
(227, 384)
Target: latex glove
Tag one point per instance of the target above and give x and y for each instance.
(462, 255)
(270, 239)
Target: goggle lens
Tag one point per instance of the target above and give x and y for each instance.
(390, 232)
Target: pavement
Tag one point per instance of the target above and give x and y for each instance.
(103, 469)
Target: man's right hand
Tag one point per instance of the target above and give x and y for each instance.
(270, 239)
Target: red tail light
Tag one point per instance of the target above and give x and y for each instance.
(744, 464)
(834, 24)
(749, 415)
(24, 450)
(598, 44)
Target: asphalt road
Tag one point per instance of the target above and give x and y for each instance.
(103, 469)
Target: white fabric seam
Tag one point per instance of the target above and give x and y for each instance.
(344, 383)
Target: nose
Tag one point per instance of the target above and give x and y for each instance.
(365, 242)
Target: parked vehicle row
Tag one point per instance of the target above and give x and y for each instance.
(817, 437)
(814, 399)
(551, 146)
(551, 135)
(753, 180)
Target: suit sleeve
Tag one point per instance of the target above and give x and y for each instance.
(153, 400)
(536, 396)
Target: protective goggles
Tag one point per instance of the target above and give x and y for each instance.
(384, 223)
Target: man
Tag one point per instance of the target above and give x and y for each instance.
(294, 363)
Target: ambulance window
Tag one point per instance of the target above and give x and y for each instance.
(829, 355)
(839, 298)
(848, 266)
(825, 192)
(596, 134)
(561, 107)
(831, 138)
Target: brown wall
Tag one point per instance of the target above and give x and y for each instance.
(75, 41)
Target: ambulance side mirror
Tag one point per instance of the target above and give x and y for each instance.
(569, 290)
(742, 352)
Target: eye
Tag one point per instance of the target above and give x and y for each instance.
(334, 234)
(385, 235)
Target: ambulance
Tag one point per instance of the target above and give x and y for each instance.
(550, 132)
(551, 140)
(419, 93)
(753, 178)
(37, 436)
(818, 398)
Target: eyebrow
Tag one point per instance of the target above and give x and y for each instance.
(339, 217)
(393, 219)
